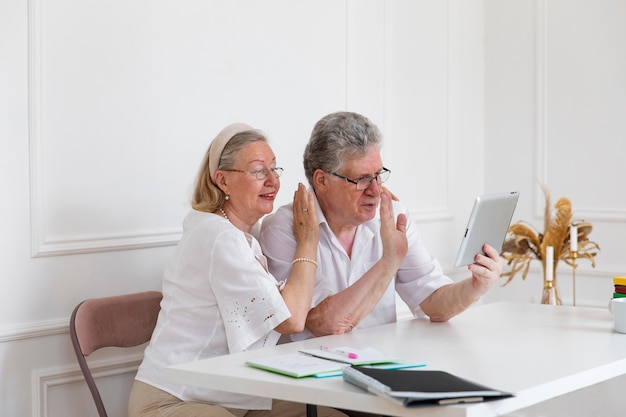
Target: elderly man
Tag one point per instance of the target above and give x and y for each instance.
(368, 247)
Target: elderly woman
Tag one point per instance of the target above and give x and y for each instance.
(218, 296)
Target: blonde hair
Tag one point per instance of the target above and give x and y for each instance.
(207, 196)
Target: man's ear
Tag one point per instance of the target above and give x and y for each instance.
(320, 180)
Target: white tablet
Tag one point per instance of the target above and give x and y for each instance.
(488, 223)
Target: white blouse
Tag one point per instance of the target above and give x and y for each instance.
(218, 298)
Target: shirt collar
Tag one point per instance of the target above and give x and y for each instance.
(373, 225)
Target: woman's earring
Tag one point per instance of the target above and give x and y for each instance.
(227, 197)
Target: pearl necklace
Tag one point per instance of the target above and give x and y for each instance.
(223, 213)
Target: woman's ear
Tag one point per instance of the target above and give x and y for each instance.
(220, 180)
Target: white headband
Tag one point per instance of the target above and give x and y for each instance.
(220, 141)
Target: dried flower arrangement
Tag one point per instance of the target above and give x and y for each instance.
(524, 243)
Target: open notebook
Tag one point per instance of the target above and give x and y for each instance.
(327, 362)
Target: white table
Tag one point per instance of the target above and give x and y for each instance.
(558, 361)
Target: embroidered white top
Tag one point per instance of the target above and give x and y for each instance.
(218, 298)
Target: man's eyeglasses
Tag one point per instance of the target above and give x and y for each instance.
(260, 174)
(365, 182)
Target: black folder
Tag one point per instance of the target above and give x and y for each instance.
(420, 387)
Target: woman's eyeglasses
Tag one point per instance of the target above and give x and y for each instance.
(260, 174)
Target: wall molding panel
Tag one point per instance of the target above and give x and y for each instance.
(42, 243)
(43, 380)
(542, 122)
(427, 216)
(409, 97)
(33, 330)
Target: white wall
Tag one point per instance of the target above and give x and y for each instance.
(106, 109)
(555, 99)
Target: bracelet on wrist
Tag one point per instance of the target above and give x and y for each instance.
(303, 260)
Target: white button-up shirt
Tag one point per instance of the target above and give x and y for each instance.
(419, 275)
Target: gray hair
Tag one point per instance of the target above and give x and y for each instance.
(337, 137)
(207, 195)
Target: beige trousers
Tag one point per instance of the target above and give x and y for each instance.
(148, 401)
